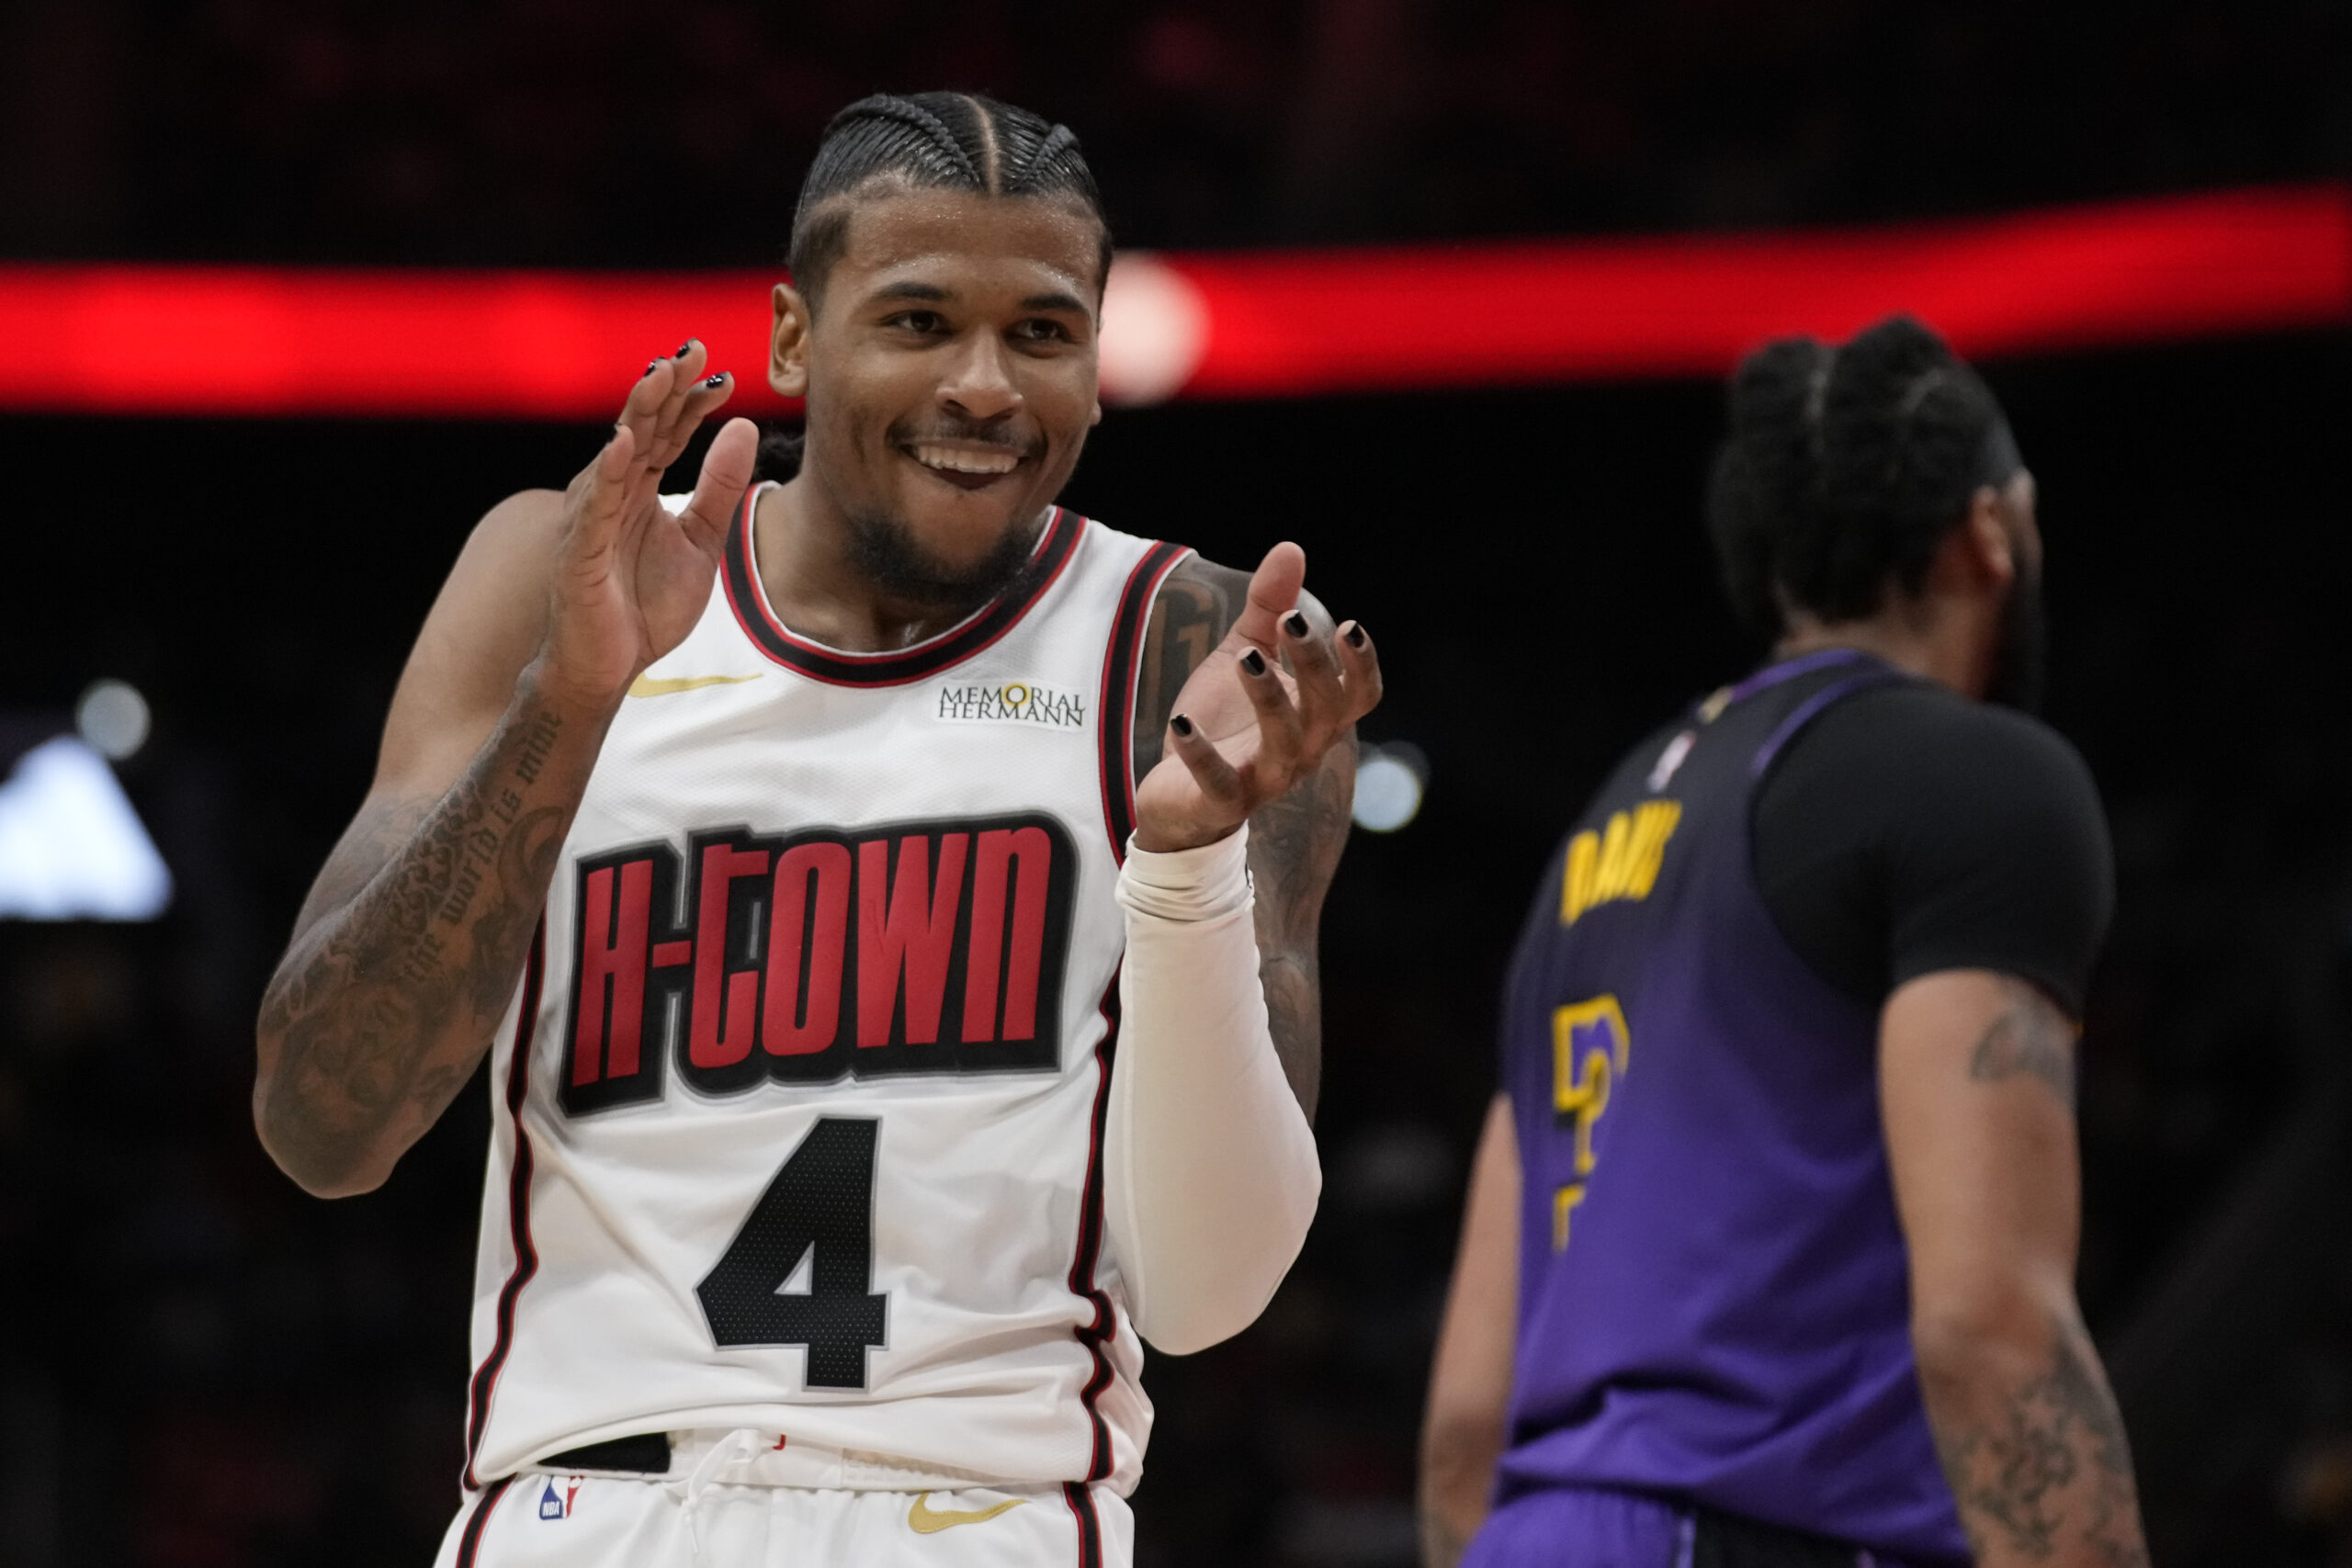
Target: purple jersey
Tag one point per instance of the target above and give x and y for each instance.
(1713, 1300)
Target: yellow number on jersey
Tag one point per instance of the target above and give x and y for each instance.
(1591, 1048)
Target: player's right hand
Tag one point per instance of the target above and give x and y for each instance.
(630, 579)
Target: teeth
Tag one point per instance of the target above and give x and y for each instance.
(962, 462)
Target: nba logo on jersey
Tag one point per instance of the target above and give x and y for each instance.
(554, 1508)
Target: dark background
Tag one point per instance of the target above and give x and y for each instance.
(199, 1365)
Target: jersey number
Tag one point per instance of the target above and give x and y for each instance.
(822, 1200)
(1590, 1050)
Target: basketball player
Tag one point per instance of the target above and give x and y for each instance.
(1769, 1249)
(801, 920)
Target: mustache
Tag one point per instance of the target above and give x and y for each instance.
(986, 433)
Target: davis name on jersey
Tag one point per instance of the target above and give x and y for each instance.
(800, 1101)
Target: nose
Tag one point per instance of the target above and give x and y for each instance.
(980, 383)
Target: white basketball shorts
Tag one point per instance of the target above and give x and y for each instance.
(540, 1519)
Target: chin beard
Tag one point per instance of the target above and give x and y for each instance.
(885, 552)
(2025, 634)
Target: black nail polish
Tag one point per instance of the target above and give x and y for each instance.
(1295, 624)
(1181, 725)
(1254, 662)
(651, 366)
(1355, 637)
(714, 380)
(684, 349)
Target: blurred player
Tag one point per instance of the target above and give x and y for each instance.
(807, 914)
(1787, 1137)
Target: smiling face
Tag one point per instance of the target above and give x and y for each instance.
(950, 377)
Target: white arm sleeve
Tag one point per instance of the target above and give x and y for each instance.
(1210, 1176)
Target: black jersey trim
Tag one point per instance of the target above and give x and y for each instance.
(1083, 1284)
(1115, 709)
(469, 1542)
(518, 1209)
(1081, 1498)
(900, 666)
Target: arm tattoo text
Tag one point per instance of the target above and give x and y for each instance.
(425, 914)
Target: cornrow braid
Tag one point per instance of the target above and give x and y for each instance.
(1041, 163)
(1845, 467)
(877, 126)
(924, 142)
(930, 140)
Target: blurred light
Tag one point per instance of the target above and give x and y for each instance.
(112, 716)
(1155, 330)
(212, 340)
(1390, 781)
(71, 846)
(1396, 1165)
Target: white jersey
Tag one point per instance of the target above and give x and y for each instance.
(798, 1111)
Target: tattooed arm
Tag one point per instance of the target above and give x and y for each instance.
(1976, 1077)
(1211, 1176)
(410, 943)
(1295, 841)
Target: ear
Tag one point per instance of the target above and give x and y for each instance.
(788, 344)
(1988, 555)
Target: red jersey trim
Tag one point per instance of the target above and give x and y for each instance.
(900, 667)
(469, 1542)
(1095, 1332)
(1081, 1498)
(518, 1209)
(1115, 709)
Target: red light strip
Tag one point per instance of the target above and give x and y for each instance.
(193, 340)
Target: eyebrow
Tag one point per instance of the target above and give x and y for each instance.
(931, 293)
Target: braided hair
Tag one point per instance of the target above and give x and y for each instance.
(1845, 467)
(924, 140)
(931, 140)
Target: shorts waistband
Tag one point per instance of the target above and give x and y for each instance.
(763, 1459)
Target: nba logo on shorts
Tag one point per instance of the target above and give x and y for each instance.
(554, 1508)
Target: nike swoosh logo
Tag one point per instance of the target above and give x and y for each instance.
(924, 1519)
(646, 686)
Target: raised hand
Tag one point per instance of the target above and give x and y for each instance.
(1245, 729)
(630, 579)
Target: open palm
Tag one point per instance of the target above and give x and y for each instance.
(631, 577)
(1245, 730)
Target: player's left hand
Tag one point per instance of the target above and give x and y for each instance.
(1246, 728)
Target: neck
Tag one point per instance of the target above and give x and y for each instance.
(1911, 636)
(812, 580)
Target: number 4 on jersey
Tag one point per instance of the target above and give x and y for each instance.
(823, 1199)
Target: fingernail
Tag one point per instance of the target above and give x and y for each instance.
(1295, 624)
(1254, 662)
(714, 380)
(1355, 635)
(651, 366)
(684, 349)
(1181, 725)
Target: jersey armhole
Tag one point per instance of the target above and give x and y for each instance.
(1115, 707)
(1765, 764)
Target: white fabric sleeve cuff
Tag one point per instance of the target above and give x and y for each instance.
(1210, 1171)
